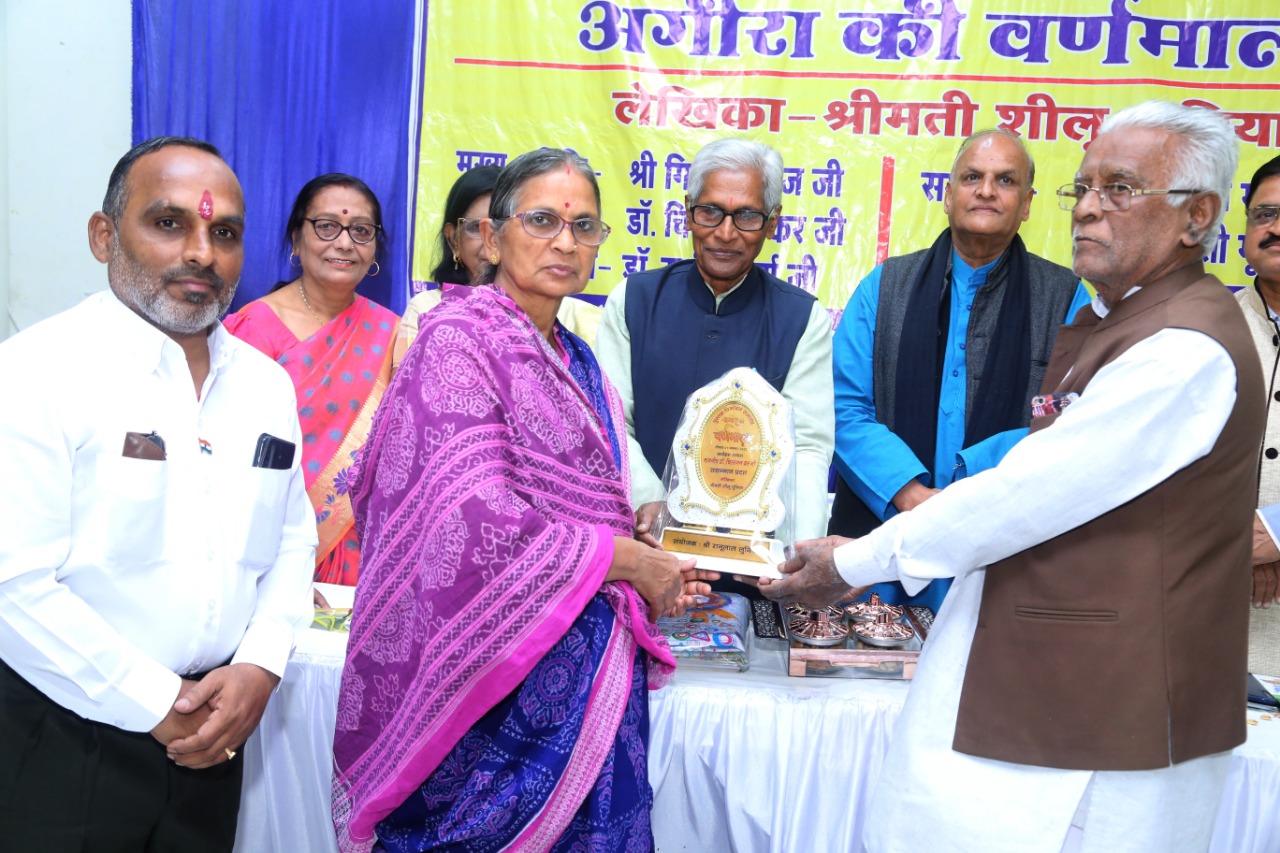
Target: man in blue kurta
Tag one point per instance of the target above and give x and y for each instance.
(667, 332)
(938, 352)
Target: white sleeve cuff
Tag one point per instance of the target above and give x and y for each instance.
(141, 699)
(1270, 516)
(268, 645)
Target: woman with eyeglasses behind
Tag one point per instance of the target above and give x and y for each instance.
(335, 345)
(494, 694)
(461, 253)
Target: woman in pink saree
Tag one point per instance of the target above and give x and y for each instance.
(494, 694)
(335, 346)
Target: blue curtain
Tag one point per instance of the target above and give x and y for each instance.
(288, 90)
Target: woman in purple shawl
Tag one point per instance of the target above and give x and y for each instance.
(494, 691)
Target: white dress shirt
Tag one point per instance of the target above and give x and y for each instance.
(119, 575)
(808, 388)
(1154, 410)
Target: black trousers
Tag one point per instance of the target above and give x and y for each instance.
(71, 785)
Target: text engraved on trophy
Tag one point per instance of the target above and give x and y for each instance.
(729, 451)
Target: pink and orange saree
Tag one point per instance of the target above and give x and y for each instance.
(340, 374)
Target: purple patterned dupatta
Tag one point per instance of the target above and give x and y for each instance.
(487, 498)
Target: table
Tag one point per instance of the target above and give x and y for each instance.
(754, 761)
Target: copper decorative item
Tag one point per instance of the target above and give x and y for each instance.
(818, 627)
(870, 610)
(884, 632)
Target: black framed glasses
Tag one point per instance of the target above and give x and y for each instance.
(469, 227)
(361, 232)
(545, 225)
(1263, 215)
(1110, 196)
(744, 218)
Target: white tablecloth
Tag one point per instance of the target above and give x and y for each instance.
(741, 762)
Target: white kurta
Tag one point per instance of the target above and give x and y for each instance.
(1143, 417)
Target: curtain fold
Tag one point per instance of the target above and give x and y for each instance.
(288, 90)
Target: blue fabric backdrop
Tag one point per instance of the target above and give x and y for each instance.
(288, 90)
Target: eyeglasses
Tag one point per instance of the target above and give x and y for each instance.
(1263, 216)
(545, 225)
(469, 227)
(361, 232)
(744, 218)
(1110, 196)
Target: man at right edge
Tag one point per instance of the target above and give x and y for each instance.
(1084, 683)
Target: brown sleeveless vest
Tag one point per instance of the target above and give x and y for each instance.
(1121, 645)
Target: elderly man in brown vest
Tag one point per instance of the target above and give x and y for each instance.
(1084, 682)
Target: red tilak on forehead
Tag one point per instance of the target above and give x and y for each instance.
(206, 206)
(344, 210)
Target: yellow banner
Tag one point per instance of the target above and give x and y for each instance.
(866, 107)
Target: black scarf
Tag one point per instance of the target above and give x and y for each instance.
(1000, 403)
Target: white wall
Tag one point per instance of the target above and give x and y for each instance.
(65, 84)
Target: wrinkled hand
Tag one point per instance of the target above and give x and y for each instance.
(318, 599)
(1266, 584)
(912, 495)
(659, 577)
(646, 519)
(810, 577)
(234, 698)
(695, 585)
(1264, 547)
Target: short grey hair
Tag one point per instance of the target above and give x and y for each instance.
(1007, 134)
(1206, 156)
(117, 196)
(526, 167)
(738, 155)
(510, 186)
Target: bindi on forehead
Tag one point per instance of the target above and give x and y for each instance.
(206, 206)
(344, 210)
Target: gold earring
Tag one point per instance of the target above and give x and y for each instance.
(493, 259)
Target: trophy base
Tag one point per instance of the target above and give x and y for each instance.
(727, 553)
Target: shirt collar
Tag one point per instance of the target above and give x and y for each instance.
(961, 270)
(1100, 308)
(720, 297)
(152, 348)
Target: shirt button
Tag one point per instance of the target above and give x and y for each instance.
(955, 373)
(1278, 395)
(962, 346)
(1272, 453)
(713, 335)
(969, 307)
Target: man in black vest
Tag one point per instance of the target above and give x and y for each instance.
(667, 332)
(939, 351)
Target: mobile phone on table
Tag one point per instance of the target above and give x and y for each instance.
(1260, 696)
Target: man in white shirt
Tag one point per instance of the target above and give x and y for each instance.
(1086, 691)
(158, 540)
(669, 331)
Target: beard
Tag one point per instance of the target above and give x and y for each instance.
(148, 295)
